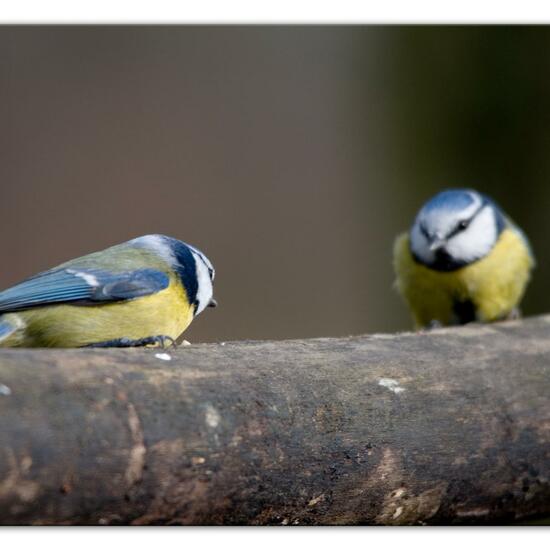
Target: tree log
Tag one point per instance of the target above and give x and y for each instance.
(450, 426)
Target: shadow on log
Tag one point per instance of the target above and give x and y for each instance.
(447, 427)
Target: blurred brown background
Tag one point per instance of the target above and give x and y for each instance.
(292, 156)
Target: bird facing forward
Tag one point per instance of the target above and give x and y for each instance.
(463, 260)
(144, 291)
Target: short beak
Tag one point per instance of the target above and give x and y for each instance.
(436, 244)
(212, 303)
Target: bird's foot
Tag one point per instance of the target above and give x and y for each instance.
(514, 315)
(160, 340)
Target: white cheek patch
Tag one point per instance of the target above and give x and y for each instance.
(205, 260)
(420, 245)
(204, 290)
(477, 240)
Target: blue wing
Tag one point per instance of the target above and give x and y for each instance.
(82, 287)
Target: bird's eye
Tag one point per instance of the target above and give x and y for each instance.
(211, 273)
(462, 225)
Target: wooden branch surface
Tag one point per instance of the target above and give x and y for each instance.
(451, 426)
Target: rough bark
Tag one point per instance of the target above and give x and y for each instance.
(451, 426)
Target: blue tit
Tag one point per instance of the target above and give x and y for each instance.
(463, 260)
(144, 291)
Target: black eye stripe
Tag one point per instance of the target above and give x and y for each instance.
(463, 224)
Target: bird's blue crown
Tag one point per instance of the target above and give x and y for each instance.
(454, 201)
(451, 199)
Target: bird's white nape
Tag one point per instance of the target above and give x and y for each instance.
(159, 244)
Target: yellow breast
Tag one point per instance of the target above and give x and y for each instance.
(495, 284)
(166, 313)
